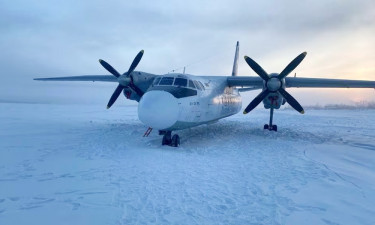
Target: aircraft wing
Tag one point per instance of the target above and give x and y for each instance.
(327, 83)
(102, 78)
(249, 89)
(254, 82)
(241, 81)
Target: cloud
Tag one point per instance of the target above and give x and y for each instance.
(56, 38)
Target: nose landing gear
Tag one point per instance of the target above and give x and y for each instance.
(270, 127)
(170, 140)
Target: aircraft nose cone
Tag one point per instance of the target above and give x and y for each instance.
(158, 109)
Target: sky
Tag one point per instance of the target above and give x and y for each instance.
(48, 38)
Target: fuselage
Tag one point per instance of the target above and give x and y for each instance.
(180, 101)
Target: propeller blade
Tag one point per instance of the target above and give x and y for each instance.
(135, 62)
(135, 88)
(109, 68)
(292, 65)
(256, 101)
(292, 101)
(258, 69)
(115, 95)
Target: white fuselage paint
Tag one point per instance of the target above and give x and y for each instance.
(161, 110)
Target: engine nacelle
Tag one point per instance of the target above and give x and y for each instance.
(274, 100)
(130, 94)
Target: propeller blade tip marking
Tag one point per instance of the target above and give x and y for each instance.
(108, 107)
(302, 112)
(245, 57)
(244, 112)
(142, 51)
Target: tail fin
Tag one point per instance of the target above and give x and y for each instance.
(235, 63)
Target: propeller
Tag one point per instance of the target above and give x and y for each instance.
(274, 83)
(125, 80)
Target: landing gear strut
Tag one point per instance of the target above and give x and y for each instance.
(170, 140)
(270, 126)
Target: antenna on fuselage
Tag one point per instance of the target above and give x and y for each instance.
(184, 70)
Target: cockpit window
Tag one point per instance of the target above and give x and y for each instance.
(166, 81)
(191, 84)
(181, 82)
(179, 86)
(197, 85)
(156, 81)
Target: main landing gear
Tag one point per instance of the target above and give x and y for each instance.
(270, 127)
(170, 140)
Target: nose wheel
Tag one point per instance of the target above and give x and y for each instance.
(270, 126)
(168, 139)
(175, 141)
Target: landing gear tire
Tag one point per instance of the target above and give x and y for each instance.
(170, 140)
(166, 139)
(175, 141)
(270, 128)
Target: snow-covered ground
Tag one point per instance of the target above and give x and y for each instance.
(72, 164)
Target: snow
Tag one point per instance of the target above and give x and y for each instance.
(72, 164)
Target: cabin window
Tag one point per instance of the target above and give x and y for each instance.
(197, 85)
(156, 81)
(166, 81)
(181, 82)
(191, 84)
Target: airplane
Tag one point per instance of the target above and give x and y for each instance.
(177, 101)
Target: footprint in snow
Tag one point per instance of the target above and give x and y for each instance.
(14, 199)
